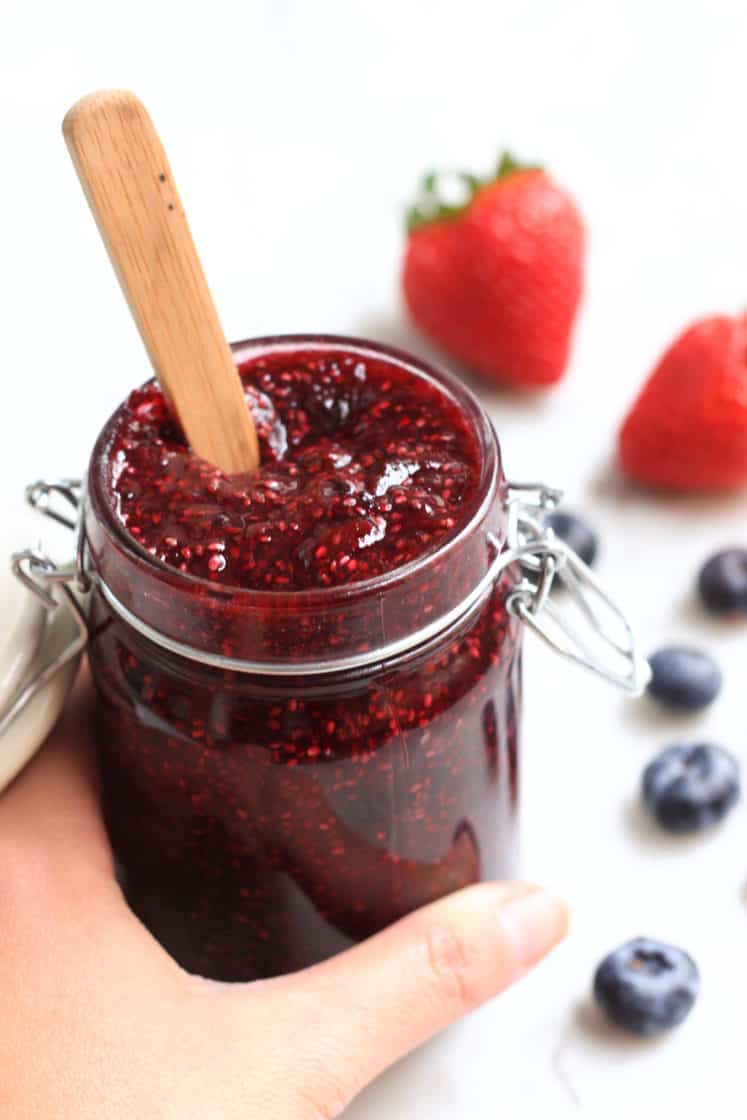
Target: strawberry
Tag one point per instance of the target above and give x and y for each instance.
(496, 280)
(688, 428)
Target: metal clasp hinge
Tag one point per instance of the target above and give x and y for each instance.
(585, 626)
(44, 498)
(53, 586)
(599, 638)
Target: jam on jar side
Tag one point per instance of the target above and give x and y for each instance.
(308, 727)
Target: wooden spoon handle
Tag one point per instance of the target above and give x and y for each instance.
(129, 186)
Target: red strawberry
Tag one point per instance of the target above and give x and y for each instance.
(497, 280)
(688, 428)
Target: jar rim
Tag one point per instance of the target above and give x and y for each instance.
(243, 350)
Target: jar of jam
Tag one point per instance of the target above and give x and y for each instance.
(309, 680)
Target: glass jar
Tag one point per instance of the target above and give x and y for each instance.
(352, 755)
(285, 773)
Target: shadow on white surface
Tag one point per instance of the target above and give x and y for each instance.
(394, 329)
(608, 484)
(643, 715)
(646, 832)
(589, 1019)
(422, 1084)
(691, 612)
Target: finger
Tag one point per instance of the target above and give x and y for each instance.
(56, 863)
(52, 806)
(389, 994)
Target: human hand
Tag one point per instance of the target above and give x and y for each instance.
(99, 1022)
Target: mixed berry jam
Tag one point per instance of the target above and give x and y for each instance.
(363, 469)
(367, 763)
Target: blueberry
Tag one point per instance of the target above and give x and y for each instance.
(690, 786)
(576, 533)
(683, 678)
(722, 582)
(646, 986)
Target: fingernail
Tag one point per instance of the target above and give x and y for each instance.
(535, 922)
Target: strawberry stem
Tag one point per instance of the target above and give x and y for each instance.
(445, 194)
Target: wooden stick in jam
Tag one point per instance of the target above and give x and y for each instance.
(126, 177)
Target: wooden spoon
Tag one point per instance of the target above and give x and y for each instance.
(124, 172)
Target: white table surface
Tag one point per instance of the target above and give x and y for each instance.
(297, 132)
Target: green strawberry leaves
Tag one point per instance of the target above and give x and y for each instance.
(446, 194)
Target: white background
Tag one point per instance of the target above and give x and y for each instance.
(297, 132)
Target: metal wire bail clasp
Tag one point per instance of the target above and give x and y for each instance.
(585, 625)
(54, 587)
(45, 498)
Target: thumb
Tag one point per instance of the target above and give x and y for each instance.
(389, 994)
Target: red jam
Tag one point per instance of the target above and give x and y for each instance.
(363, 469)
(266, 819)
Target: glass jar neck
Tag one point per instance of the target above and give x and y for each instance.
(278, 628)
